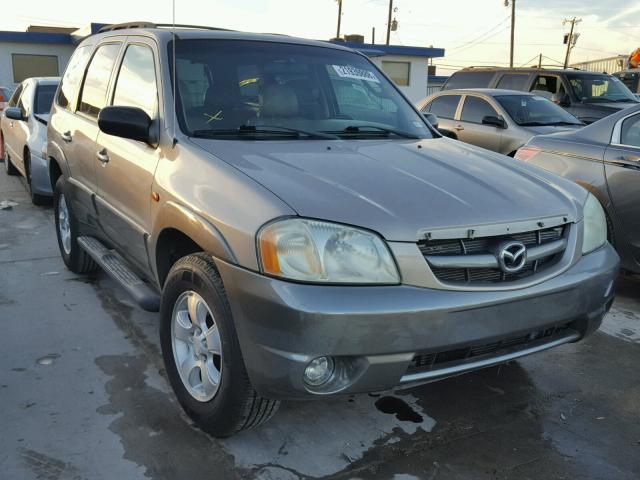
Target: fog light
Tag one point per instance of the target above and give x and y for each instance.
(319, 371)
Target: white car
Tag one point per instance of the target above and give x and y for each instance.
(23, 134)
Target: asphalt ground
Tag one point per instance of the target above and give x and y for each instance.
(83, 396)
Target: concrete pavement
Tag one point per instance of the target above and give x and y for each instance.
(83, 396)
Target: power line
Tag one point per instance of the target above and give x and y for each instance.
(483, 34)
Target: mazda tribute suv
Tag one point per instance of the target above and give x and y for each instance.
(300, 227)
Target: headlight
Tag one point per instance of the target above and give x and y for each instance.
(315, 251)
(595, 225)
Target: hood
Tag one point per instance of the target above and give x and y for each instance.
(547, 129)
(611, 106)
(399, 187)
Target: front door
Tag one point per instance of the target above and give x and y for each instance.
(622, 167)
(9, 127)
(125, 168)
(470, 128)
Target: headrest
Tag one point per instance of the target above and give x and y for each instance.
(279, 101)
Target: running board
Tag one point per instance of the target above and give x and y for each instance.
(143, 295)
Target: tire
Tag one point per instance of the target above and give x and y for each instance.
(74, 257)
(235, 405)
(36, 199)
(8, 166)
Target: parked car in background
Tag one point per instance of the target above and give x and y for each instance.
(498, 120)
(589, 96)
(631, 79)
(23, 134)
(5, 94)
(302, 229)
(604, 158)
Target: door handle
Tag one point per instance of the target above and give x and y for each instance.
(66, 136)
(102, 156)
(458, 127)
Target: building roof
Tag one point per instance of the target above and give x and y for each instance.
(378, 50)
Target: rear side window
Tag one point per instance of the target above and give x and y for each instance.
(136, 84)
(513, 81)
(94, 90)
(469, 80)
(630, 134)
(475, 109)
(445, 106)
(72, 76)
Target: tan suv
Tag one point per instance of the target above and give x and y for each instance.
(302, 229)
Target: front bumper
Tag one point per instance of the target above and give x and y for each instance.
(374, 332)
(40, 181)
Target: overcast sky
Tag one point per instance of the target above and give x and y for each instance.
(473, 32)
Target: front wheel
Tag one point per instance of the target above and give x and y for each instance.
(8, 166)
(36, 198)
(202, 354)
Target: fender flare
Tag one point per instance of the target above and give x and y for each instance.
(172, 215)
(57, 154)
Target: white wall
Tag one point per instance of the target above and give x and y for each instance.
(417, 88)
(63, 52)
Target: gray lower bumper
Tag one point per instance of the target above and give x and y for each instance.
(40, 182)
(378, 330)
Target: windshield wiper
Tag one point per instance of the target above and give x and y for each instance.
(358, 130)
(565, 123)
(260, 130)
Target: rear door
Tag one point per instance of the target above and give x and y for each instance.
(81, 136)
(125, 168)
(622, 167)
(470, 128)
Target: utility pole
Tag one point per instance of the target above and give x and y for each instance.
(389, 21)
(540, 61)
(339, 17)
(373, 35)
(513, 28)
(571, 38)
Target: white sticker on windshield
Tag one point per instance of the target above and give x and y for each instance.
(347, 71)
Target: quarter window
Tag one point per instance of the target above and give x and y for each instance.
(72, 76)
(630, 134)
(475, 109)
(136, 84)
(94, 89)
(445, 106)
(469, 79)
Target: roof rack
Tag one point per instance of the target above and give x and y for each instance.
(123, 26)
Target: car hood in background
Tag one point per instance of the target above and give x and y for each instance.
(399, 187)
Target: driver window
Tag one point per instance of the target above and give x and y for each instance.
(630, 134)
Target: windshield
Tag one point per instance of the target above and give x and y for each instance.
(599, 88)
(530, 110)
(44, 98)
(264, 90)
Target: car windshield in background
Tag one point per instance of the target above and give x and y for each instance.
(599, 88)
(44, 98)
(263, 90)
(532, 110)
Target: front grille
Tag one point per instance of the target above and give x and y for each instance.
(487, 245)
(425, 362)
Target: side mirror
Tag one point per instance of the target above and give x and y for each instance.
(432, 118)
(14, 113)
(125, 122)
(561, 99)
(494, 121)
(447, 133)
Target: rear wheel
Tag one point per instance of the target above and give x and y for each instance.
(74, 257)
(202, 354)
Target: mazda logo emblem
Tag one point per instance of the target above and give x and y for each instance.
(512, 256)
